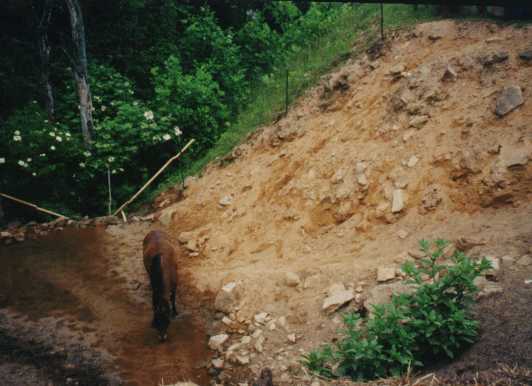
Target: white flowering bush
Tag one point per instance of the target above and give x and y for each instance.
(129, 138)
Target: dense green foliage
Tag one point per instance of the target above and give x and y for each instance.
(161, 73)
(433, 322)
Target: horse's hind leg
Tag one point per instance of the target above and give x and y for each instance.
(174, 311)
(154, 306)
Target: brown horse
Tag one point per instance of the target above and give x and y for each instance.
(160, 262)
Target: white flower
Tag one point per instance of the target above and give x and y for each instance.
(155, 138)
(113, 172)
(135, 103)
(59, 139)
(52, 134)
(87, 153)
(148, 115)
(43, 154)
(17, 138)
(67, 134)
(17, 132)
(81, 164)
(2, 160)
(34, 174)
(177, 131)
(103, 108)
(111, 159)
(22, 163)
(29, 160)
(167, 137)
(46, 121)
(52, 147)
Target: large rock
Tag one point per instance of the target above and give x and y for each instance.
(513, 156)
(227, 298)
(383, 293)
(385, 274)
(511, 98)
(338, 296)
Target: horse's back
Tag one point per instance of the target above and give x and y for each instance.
(158, 243)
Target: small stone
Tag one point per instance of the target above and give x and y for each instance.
(495, 267)
(398, 201)
(337, 298)
(401, 182)
(271, 326)
(525, 260)
(528, 281)
(490, 289)
(381, 294)
(218, 363)
(362, 180)
(511, 98)
(450, 74)
(257, 333)
(282, 322)
(360, 167)
(408, 134)
(397, 70)
(291, 338)
(526, 55)
(242, 359)
(385, 274)
(417, 254)
(402, 234)
(260, 318)
(227, 321)
(412, 161)
(507, 259)
(216, 342)
(419, 121)
(227, 298)
(291, 279)
(259, 344)
(513, 156)
(226, 201)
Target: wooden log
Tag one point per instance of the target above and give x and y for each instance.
(38, 208)
(154, 177)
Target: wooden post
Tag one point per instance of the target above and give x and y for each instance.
(382, 21)
(286, 94)
(109, 185)
(153, 177)
(33, 206)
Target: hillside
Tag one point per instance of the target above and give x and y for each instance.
(393, 147)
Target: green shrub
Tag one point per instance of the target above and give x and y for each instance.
(433, 322)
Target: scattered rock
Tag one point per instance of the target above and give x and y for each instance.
(338, 296)
(494, 58)
(385, 274)
(259, 347)
(490, 289)
(412, 161)
(402, 234)
(218, 363)
(510, 98)
(450, 74)
(513, 156)
(291, 279)
(291, 338)
(432, 197)
(398, 201)
(383, 293)
(526, 55)
(507, 259)
(227, 298)
(261, 317)
(397, 71)
(226, 201)
(525, 260)
(362, 180)
(495, 267)
(216, 342)
(401, 182)
(417, 254)
(419, 121)
(464, 244)
(408, 134)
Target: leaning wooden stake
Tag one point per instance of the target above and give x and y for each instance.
(154, 177)
(32, 206)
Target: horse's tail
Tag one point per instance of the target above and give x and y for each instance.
(156, 275)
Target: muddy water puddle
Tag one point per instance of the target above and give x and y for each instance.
(83, 288)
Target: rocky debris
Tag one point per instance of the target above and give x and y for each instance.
(225, 201)
(412, 161)
(338, 296)
(216, 342)
(259, 344)
(382, 293)
(385, 274)
(417, 254)
(464, 244)
(362, 180)
(450, 74)
(490, 289)
(419, 121)
(291, 338)
(510, 98)
(525, 260)
(261, 318)
(227, 298)
(431, 198)
(493, 58)
(396, 71)
(495, 267)
(402, 234)
(218, 363)
(265, 378)
(526, 55)
(513, 156)
(291, 279)
(398, 200)
(507, 259)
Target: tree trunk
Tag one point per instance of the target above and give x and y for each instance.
(44, 56)
(80, 70)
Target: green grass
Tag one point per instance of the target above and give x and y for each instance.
(304, 69)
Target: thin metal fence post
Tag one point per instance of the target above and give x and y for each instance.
(286, 93)
(109, 185)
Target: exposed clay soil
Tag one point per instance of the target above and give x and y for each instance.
(312, 195)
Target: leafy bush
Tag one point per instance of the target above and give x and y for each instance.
(432, 323)
(128, 138)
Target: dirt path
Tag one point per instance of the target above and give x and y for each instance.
(87, 287)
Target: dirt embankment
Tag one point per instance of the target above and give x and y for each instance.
(430, 136)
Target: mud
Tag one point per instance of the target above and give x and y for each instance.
(74, 309)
